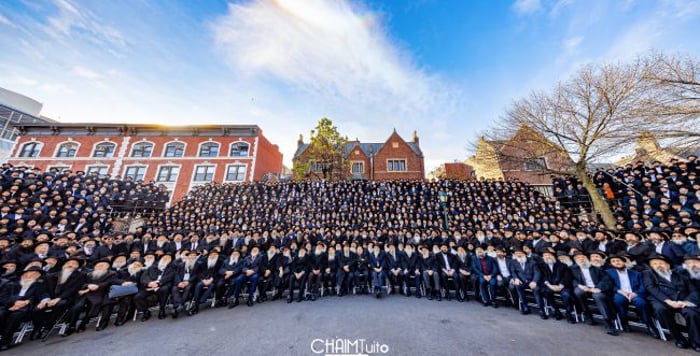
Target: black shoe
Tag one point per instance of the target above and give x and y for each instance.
(234, 304)
(558, 316)
(525, 311)
(544, 316)
(249, 302)
(439, 298)
(571, 319)
(4, 347)
(494, 304)
(429, 295)
(682, 344)
(610, 330)
(69, 331)
(100, 327)
(119, 322)
(313, 298)
(300, 299)
(34, 334)
(289, 300)
(44, 333)
(176, 312)
(161, 314)
(81, 327)
(589, 320)
(653, 332)
(146, 315)
(486, 304)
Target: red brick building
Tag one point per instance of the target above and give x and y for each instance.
(177, 157)
(395, 158)
(455, 170)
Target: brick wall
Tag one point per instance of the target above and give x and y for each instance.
(396, 148)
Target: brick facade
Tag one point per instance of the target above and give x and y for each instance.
(262, 158)
(393, 159)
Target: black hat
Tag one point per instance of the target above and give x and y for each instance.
(33, 269)
(550, 251)
(578, 253)
(597, 252)
(101, 260)
(691, 257)
(658, 256)
(621, 256)
(8, 262)
(562, 253)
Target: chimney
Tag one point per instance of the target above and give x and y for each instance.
(300, 141)
(415, 137)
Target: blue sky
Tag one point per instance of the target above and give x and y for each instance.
(446, 68)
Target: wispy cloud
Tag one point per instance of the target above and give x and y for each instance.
(86, 73)
(328, 49)
(526, 7)
(72, 20)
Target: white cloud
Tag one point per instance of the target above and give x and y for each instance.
(526, 7)
(5, 21)
(331, 51)
(86, 73)
(71, 20)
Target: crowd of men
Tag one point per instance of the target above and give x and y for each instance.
(501, 243)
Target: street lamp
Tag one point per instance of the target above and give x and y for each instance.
(443, 199)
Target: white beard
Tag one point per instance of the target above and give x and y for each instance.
(585, 265)
(270, 256)
(521, 259)
(666, 274)
(148, 263)
(162, 266)
(597, 264)
(118, 265)
(211, 262)
(694, 273)
(189, 265)
(64, 275)
(25, 283)
(98, 274)
(133, 270)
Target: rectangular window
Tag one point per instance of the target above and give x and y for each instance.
(396, 165)
(358, 167)
(235, 173)
(536, 164)
(168, 174)
(204, 173)
(101, 170)
(59, 168)
(135, 172)
(317, 167)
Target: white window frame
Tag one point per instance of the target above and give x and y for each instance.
(165, 148)
(405, 164)
(105, 166)
(58, 148)
(230, 146)
(38, 153)
(199, 149)
(64, 166)
(94, 149)
(131, 152)
(161, 166)
(145, 170)
(194, 173)
(245, 172)
(361, 163)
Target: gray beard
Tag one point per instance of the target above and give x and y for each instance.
(65, 274)
(148, 264)
(24, 283)
(585, 265)
(97, 274)
(666, 274)
(133, 271)
(694, 274)
(189, 265)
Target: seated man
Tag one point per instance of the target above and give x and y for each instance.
(504, 276)
(593, 282)
(91, 295)
(282, 272)
(207, 276)
(156, 280)
(318, 265)
(346, 268)
(485, 272)
(126, 303)
(555, 277)
(526, 275)
(229, 272)
(393, 268)
(250, 273)
(268, 267)
(410, 267)
(448, 269)
(362, 270)
(17, 299)
(429, 273)
(297, 279)
(62, 287)
(184, 281)
(629, 289)
(330, 273)
(670, 293)
(377, 261)
(464, 270)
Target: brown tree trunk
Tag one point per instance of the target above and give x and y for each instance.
(600, 205)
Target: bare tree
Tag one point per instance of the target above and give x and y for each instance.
(596, 113)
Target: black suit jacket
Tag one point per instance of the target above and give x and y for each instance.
(9, 294)
(660, 289)
(601, 279)
(69, 289)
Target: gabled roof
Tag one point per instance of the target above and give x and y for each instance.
(369, 148)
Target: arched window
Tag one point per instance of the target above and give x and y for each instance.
(174, 149)
(209, 149)
(104, 149)
(142, 149)
(239, 149)
(30, 150)
(68, 149)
